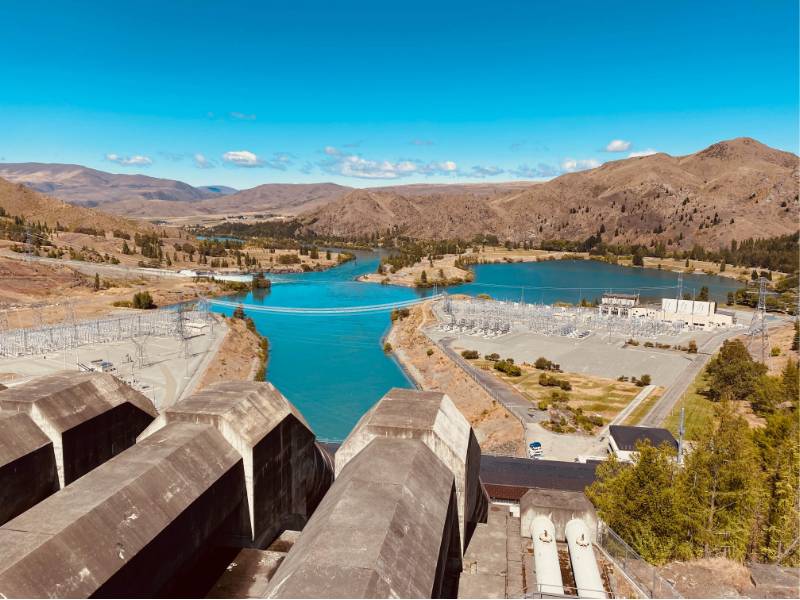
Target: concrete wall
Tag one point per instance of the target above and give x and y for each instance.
(28, 471)
(560, 507)
(388, 528)
(130, 526)
(432, 418)
(88, 417)
(286, 474)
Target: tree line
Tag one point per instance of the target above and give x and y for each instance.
(737, 492)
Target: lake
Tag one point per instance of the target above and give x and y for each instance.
(333, 368)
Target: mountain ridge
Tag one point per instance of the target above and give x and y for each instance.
(733, 189)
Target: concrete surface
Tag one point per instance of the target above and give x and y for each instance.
(432, 418)
(286, 474)
(560, 506)
(388, 527)
(89, 417)
(493, 565)
(594, 355)
(249, 573)
(128, 527)
(28, 472)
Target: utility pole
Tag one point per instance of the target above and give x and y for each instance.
(758, 324)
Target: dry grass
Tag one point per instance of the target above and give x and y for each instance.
(595, 395)
(237, 357)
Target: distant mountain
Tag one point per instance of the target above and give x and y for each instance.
(148, 197)
(18, 200)
(217, 190)
(282, 198)
(133, 195)
(731, 190)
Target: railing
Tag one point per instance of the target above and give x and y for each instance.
(641, 573)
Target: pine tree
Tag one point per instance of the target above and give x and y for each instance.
(722, 487)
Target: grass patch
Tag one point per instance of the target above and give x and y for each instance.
(641, 410)
(699, 410)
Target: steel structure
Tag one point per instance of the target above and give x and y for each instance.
(491, 318)
(71, 333)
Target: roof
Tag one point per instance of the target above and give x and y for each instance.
(623, 296)
(626, 436)
(510, 478)
(70, 398)
(432, 418)
(251, 409)
(379, 530)
(74, 541)
(19, 436)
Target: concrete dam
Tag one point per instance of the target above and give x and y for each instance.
(229, 494)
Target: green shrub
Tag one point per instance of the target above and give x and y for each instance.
(143, 300)
(470, 354)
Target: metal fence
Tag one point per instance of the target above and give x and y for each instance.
(644, 575)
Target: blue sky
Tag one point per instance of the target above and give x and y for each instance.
(374, 93)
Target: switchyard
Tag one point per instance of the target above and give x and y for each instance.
(70, 333)
(496, 318)
(491, 319)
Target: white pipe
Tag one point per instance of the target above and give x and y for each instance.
(584, 564)
(545, 557)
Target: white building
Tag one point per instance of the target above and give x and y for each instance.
(689, 313)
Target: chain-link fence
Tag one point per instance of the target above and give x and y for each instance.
(641, 572)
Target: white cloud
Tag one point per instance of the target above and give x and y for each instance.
(201, 162)
(240, 116)
(242, 158)
(570, 165)
(245, 158)
(354, 165)
(137, 160)
(647, 152)
(617, 146)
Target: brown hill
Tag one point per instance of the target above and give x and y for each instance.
(731, 190)
(110, 191)
(282, 198)
(18, 200)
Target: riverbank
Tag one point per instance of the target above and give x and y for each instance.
(240, 357)
(451, 269)
(496, 429)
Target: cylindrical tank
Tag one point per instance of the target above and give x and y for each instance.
(545, 557)
(584, 564)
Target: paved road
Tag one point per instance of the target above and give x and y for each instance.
(514, 402)
(662, 409)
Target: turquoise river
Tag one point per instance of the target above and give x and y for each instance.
(333, 368)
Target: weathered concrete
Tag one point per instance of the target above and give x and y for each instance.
(249, 573)
(89, 417)
(130, 526)
(485, 563)
(432, 418)
(388, 527)
(561, 506)
(286, 474)
(28, 471)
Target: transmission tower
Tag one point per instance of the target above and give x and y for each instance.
(28, 244)
(758, 324)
